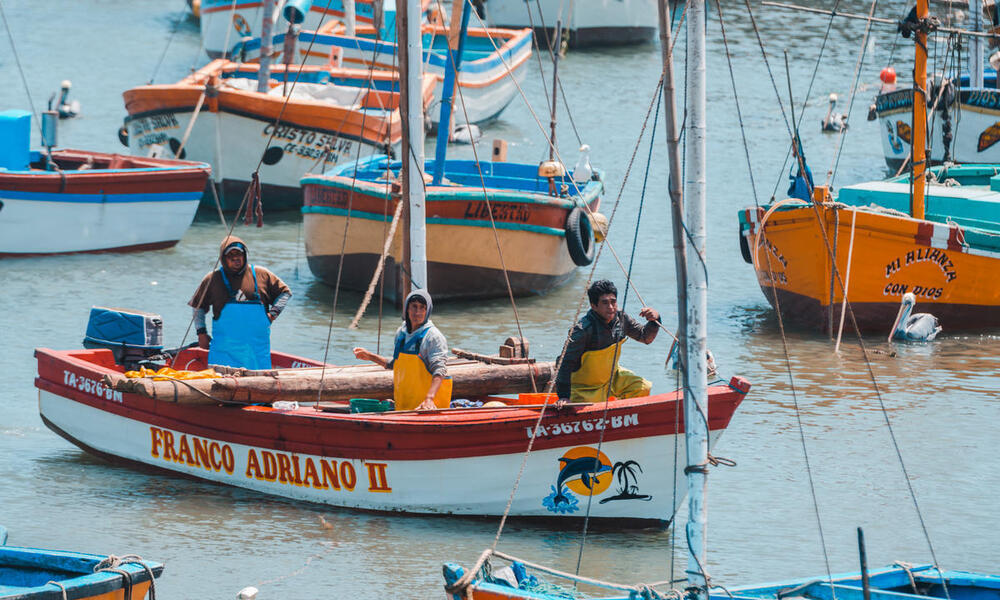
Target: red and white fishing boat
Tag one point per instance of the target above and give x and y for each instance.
(61, 201)
(452, 461)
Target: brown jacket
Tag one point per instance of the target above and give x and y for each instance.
(212, 291)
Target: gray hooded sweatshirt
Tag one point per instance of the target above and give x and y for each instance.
(433, 347)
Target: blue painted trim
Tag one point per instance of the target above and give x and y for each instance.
(356, 214)
(450, 73)
(101, 198)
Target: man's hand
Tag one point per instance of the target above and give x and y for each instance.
(271, 317)
(362, 354)
(649, 313)
(560, 403)
(427, 404)
(204, 340)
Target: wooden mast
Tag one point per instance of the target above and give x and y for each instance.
(412, 172)
(919, 147)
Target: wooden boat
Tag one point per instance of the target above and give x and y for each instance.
(944, 258)
(63, 200)
(395, 461)
(216, 115)
(963, 126)
(540, 234)
(225, 22)
(33, 574)
(877, 241)
(585, 24)
(494, 61)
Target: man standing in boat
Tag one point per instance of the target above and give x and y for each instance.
(589, 370)
(419, 377)
(244, 300)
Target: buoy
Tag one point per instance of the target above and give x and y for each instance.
(888, 76)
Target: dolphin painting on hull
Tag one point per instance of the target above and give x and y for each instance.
(586, 468)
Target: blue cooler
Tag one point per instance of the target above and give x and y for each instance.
(131, 335)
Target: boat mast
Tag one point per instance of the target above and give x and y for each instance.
(555, 89)
(350, 18)
(264, 74)
(919, 114)
(696, 392)
(456, 45)
(412, 173)
(975, 45)
(674, 182)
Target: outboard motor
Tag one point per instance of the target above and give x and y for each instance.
(131, 335)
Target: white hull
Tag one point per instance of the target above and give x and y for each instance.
(601, 21)
(49, 226)
(415, 486)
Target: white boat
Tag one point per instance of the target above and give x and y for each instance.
(584, 22)
(64, 200)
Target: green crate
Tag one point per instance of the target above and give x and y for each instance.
(368, 405)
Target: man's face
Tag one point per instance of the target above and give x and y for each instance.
(234, 260)
(417, 312)
(606, 307)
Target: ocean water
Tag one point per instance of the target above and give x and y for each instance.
(941, 399)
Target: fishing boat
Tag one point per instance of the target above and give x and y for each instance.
(585, 24)
(33, 574)
(931, 232)
(493, 62)
(964, 126)
(226, 22)
(306, 118)
(492, 228)
(57, 201)
(289, 431)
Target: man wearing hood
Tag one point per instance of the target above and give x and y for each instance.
(244, 300)
(419, 378)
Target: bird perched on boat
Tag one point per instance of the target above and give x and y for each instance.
(64, 107)
(466, 133)
(582, 172)
(835, 122)
(920, 327)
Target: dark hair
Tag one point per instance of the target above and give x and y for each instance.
(599, 288)
(416, 298)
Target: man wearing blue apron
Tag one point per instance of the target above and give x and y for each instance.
(244, 300)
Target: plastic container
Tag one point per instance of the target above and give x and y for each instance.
(368, 405)
(15, 131)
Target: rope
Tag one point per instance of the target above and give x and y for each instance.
(60, 586)
(113, 563)
(377, 277)
(170, 39)
(20, 69)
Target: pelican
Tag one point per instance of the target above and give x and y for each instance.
(466, 133)
(65, 108)
(835, 122)
(582, 172)
(921, 327)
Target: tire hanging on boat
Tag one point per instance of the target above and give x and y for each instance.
(579, 237)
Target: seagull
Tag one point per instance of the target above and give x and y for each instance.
(835, 122)
(466, 133)
(582, 172)
(66, 109)
(921, 327)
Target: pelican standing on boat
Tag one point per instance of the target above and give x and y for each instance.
(66, 108)
(920, 327)
(834, 122)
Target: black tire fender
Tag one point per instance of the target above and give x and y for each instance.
(579, 237)
(745, 247)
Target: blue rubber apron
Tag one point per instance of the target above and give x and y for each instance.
(241, 336)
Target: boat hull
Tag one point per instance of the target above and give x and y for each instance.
(31, 573)
(892, 255)
(973, 119)
(146, 206)
(591, 23)
(458, 461)
(463, 260)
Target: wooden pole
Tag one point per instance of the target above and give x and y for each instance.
(919, 147)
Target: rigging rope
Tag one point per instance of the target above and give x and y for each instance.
(170, 39)
(20, 69)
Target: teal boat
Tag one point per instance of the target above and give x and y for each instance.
(33, 574)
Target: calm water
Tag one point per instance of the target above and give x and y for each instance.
(942, 398)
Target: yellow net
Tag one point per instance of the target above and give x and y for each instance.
(166, 373)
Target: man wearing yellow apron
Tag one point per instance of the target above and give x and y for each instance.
(589, 371)
(244, 300)
(419, 378)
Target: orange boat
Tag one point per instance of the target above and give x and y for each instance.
(878, 241)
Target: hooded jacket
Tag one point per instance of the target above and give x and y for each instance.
(434, 347)
(212, 292)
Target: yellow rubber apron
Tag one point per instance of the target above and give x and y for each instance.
(592, 381)
(410, 378)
